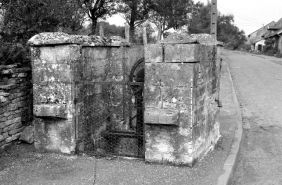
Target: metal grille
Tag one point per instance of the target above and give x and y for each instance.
(110, 121)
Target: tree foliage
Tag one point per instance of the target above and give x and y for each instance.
(200, 19)
(135, 12)
(24, 18)
(109, 30)
(227, 32)
(96, 9)
(171, 13)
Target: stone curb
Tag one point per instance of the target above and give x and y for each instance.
(233, 157)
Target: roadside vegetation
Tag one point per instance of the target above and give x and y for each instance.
(270, 49)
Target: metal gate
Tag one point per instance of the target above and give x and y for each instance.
(111, 116)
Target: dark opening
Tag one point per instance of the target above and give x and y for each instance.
(137, 85)
(260, 47)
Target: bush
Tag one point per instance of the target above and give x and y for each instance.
(245, 47)
(229, 46)
(12, 53)
(279, 54)
(270, 50)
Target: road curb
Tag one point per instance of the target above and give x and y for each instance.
(233, 157)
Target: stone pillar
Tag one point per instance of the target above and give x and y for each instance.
(181, 112)
(62, 66)
(53, 92)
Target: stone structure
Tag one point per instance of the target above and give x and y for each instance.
(15, 102)
(88, 95)
(75, 80)
(181, 99)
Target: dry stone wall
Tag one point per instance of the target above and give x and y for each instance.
(15, 102)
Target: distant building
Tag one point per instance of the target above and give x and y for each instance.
(256, 40)
(275, 32)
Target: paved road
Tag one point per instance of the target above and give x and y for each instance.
(258, 82)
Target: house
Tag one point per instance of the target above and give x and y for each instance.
(256, 40)
(275, 32)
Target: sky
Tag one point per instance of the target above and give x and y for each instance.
(249, 15)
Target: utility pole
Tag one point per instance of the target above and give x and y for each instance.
(214, 19)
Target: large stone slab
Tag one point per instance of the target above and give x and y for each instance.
(50, 110)
(162, 116)
(54, 135)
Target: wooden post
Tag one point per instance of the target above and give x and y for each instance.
(159, 34)
(214, 19)
(145, 41)
(126, 31)
(101, 29)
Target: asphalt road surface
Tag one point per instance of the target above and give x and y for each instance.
(258, 84)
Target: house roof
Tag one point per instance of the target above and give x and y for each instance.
(275, 30)
(266, 26)
(279, 24)
(258, 34)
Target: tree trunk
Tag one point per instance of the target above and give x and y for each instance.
(94, 25)
(131, 32)
(132, 21)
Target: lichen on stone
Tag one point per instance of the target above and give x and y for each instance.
(56, 38)
(183, 38)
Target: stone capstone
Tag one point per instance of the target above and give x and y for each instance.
(182, 38)
(55, 38)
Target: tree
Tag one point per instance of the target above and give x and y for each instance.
(135, 13)
(171, 13)
(227, 32)
(96, 9)
(24, 18)
(200, 19)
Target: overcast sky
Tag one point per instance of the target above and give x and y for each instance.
(250, 15)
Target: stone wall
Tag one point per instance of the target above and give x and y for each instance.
(181, 100)
(15, 102)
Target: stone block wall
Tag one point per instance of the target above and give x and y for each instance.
(181, 101)
(15, 102)
(79, 85)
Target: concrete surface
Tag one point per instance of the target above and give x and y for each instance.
(21, 164)
(257, 80)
